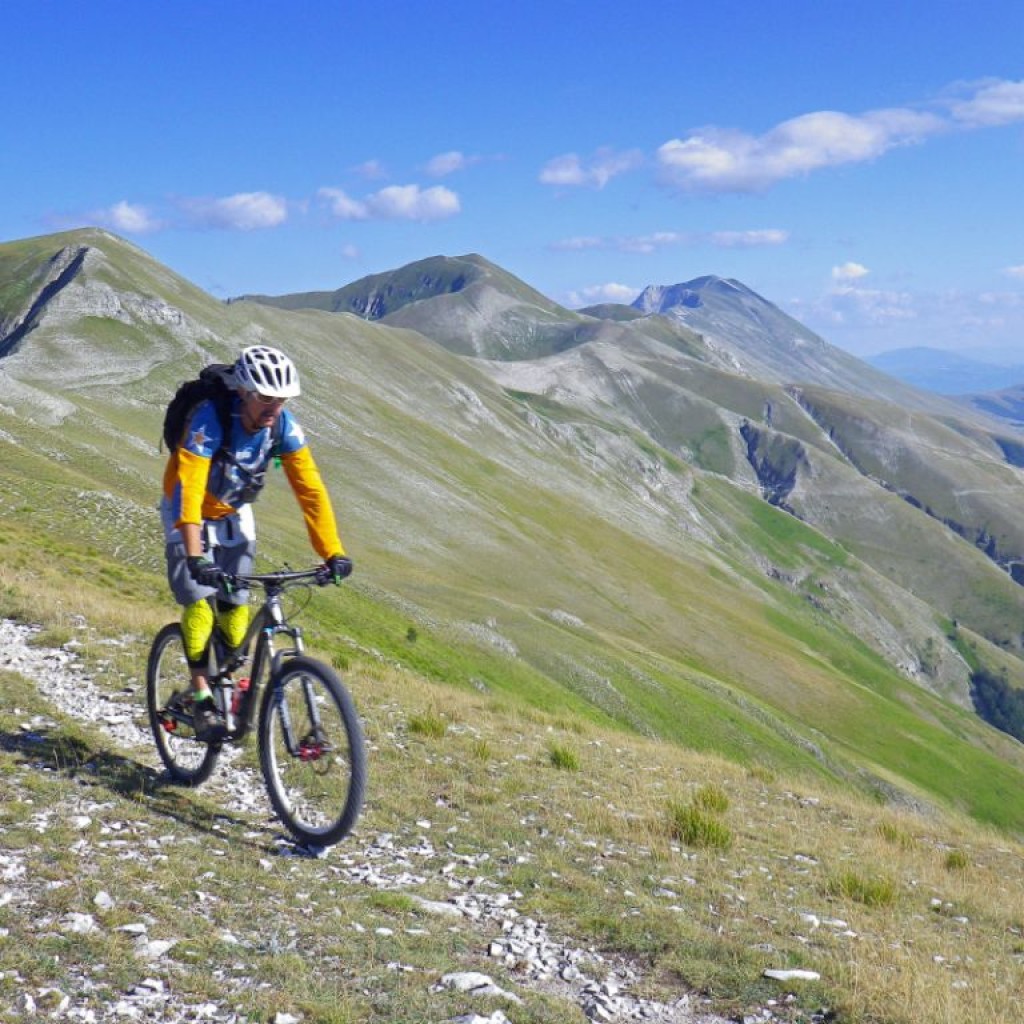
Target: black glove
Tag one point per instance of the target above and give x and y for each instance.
(335, 569)
(204, 572)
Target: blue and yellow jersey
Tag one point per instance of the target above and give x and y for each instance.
(206, 479)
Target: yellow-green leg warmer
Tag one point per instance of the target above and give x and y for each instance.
(233, 622)
(196, 628)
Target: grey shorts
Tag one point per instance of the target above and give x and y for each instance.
(236, 557)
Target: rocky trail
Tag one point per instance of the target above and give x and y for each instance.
(601, 986)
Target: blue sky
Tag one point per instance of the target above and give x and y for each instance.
(859, 164)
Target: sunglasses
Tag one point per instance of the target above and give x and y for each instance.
(266, 399)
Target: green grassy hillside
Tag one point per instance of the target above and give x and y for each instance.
(609, 688)
(659, 871)
(597, 549)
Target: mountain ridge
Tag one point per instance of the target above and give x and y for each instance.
(497, 498)
(669, 662)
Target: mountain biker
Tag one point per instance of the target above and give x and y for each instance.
(209, 485)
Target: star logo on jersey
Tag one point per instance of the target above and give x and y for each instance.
(198, 441)
(295, 431)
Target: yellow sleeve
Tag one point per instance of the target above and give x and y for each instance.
(315, 502)
(193, 473)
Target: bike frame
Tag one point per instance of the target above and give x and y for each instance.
(267, 624)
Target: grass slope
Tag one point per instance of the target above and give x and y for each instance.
(699, 872)
(561, 561)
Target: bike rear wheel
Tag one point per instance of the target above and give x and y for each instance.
(312, 752)
(168, 698)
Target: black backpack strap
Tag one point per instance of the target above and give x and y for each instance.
(275, 448)
(224, 401)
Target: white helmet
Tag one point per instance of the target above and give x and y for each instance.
(268, 371)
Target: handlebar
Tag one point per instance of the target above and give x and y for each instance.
(281, 579)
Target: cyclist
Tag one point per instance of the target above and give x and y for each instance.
(210, 482)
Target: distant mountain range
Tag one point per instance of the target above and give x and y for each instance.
(990, 388)
(691, 516)
(947, 373)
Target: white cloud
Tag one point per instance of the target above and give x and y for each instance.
(245, 211)
(1016, 272)
(611, 292)
(994, 103)
(849, 272)
(649, 243)
(871, 306)
(371, 170)
(624, 243)
(749, 239)
(716, 160)
(396, 202)
(342, 205)
(128, 217)
(579, 244)
(878, 319)
(410, 202)
(447, 163)
(563, 170)
(656, 240)
(606, 164)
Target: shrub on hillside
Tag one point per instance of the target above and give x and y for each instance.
(697, 827)
(997, 702)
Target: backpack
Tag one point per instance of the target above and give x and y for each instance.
(210, 384)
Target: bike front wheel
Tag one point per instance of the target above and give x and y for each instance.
(168, 698)
(312, 752)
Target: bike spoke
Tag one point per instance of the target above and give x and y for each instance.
(170, 710)
(313, 754)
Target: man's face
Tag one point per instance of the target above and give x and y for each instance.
(262, 410)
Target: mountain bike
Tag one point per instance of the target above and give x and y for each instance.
(309, 735)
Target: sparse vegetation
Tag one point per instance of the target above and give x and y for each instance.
(746, 854)
(697, 826)
(428, 724)
(710, 678)
(563, 757)
(871, 890)
(895, 834)
(957, 860)
(711, 798)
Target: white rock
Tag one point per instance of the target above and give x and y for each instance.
(795, 974)
(475, 984)
(79, 924)
(153, 949)
(437, 907)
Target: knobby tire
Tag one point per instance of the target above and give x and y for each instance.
(316, 788)
(188, 761)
